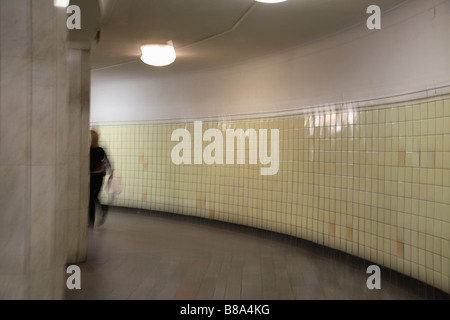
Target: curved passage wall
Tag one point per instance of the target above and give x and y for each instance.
(369, 177)
(371, 182)
(409, 54)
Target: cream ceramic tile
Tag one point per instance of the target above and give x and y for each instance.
(293, 179)
(416, 112)
(447, 107)
(15, 17)
(15, 111)
(447, 125)
(43, 137)
(42, 215)
(14, 191)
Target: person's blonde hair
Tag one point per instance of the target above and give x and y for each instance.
(94, 139)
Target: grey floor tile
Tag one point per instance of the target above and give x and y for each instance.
(143, 255)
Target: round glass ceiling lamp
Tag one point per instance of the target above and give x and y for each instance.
(61, 3)
(271, 1)
(158, 55)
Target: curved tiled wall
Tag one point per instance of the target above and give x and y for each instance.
(373, 182)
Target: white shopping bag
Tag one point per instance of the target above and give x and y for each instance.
(114, 188)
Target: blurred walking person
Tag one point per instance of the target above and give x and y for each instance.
(99, 166)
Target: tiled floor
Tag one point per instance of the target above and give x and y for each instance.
(138, 255)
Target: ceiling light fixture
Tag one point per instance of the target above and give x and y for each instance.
(61, 3)
(271, 1)
(158, 55)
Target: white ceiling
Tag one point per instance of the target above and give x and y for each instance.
(209, 33)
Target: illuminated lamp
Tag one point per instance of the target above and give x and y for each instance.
(158, 55)
(61, 3)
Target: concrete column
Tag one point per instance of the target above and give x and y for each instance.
(44, 150)
(80, 44)
(79, 102)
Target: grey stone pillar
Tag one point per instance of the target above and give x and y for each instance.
(33, 150)
(44, 150)
(79, 102)
(80, 44)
